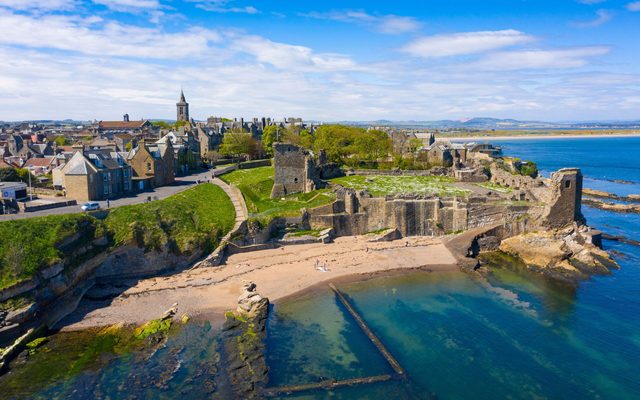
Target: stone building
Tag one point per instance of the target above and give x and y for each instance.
(108, 129)
(295, 170)
(94, 175)
(186, 148)
(182, 108)
(152, 165)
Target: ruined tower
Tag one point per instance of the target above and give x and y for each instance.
(182, 108)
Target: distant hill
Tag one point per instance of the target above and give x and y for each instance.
(495, 123)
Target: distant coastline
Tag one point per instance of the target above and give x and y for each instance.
(535, 136)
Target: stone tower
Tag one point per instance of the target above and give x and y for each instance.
(182, 108)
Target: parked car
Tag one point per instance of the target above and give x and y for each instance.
(90, 206)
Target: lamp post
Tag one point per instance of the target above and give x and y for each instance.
(30, 189)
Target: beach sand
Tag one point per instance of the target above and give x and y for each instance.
(278, 273)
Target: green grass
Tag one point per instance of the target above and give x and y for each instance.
(29, 245)
(312, 232)
(255, 185)
(193, 220)
(395, 185)
(495, 187)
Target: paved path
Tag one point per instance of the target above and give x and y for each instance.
(182, 183)
(238, 202)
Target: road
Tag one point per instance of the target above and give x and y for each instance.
(182, 183)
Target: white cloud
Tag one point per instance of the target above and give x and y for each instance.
(128, 5)
(109, 39)
(286, 56)
(62, 66)
(540, 59)
(223, 6)
(38, 5)
(634, 6)
(602, 17)
(388, 24)
(457, 44)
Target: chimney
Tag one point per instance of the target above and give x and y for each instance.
(125, 118)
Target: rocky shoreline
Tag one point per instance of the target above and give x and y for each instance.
(570, 254)
(244, 334)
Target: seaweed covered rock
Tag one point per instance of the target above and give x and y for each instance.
(244, 346)
(570, 254)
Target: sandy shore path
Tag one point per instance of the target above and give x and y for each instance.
(278, 273)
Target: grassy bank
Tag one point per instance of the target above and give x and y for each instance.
(28, 245)
(188, 221)
(256, 184)
(397, 185)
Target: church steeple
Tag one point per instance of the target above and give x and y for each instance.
(182, 108)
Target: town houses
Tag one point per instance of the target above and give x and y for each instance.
(101, 160)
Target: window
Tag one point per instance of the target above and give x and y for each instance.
(295, 180)
(149, 167)
(567, 184)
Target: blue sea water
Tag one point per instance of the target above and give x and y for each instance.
(510, 335)
(513, 335)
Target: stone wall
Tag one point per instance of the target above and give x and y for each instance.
(356, 213)
(294, 170)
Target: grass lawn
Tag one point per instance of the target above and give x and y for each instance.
(192, 220)
(255, 185)
(28, 245)
(495, 187)
(393, 185)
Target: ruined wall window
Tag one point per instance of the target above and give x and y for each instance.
(295, 180)
(567, 184)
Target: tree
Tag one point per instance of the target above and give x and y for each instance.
(350, 145)
(306, 139)
(9, 175)
(236, 144)
(161, 124)
(15, 175)
(269, 137)
(415, 144)
(180, 124)
(62, 141)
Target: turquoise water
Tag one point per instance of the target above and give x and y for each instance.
(511, 335)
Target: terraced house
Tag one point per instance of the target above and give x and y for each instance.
(94, 175)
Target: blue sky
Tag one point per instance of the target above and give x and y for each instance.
(329, 60)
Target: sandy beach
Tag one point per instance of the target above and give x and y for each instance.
(530, 137)
(279, 273)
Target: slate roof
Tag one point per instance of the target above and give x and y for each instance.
(79, 165)
(121, 124)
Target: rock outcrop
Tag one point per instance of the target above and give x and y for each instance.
(611, 206)
(244, 346)
(570, 254)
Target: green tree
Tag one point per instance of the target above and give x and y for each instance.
(236, 144)
(62, 141)
(306, 139)
(415, 144)
(269, 137)
(161, 124)
(180, 124)
(9, 175)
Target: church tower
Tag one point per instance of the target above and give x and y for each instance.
(182, 108)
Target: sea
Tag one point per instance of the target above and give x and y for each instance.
(510, 334)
